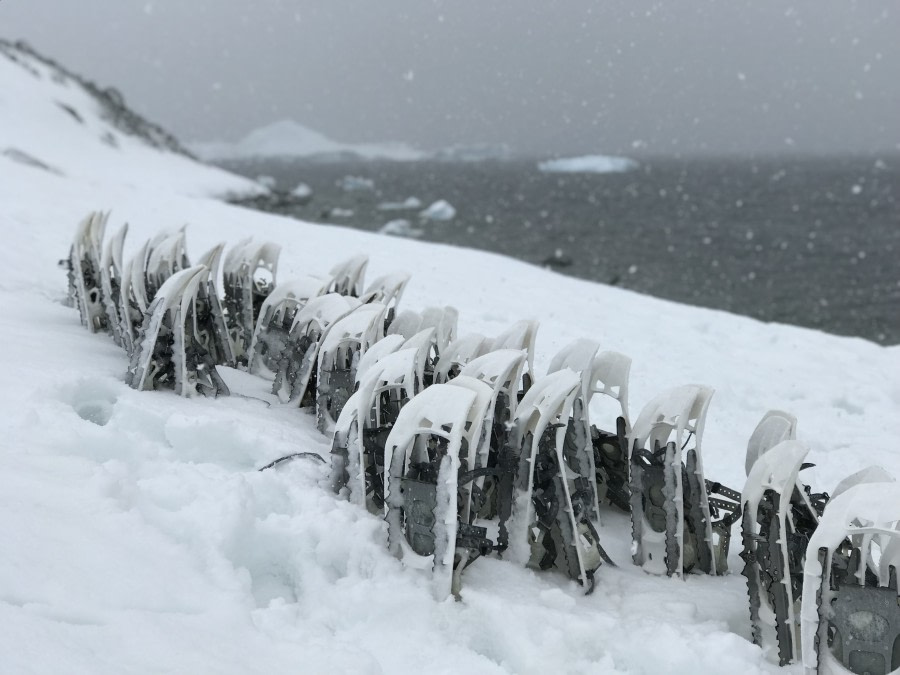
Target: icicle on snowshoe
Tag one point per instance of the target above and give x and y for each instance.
(779, 516)
(273, 325)
(550, 526)
(495, 466)
(111, 269)
(521, 335)
(388, 289)
(341, 347)
(249, 275)
(365, 422)
(347, 276)
(850, 619)
(458, 353)
(423, 457)
(85, 272)
(295, 377)
(670, 516)
(169, 353)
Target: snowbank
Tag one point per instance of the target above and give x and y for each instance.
(287, 138)
(139, 536)
(588, 164)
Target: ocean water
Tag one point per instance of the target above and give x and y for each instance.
(812, 242)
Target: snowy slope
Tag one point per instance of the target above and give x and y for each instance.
(138, 536)
(287, 138)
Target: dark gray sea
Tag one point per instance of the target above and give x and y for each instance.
(811, 242)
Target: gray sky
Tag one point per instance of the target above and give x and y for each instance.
(544, 76)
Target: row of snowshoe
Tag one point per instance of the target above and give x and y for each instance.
(467, 452)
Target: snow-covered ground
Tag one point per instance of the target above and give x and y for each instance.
(288, 138)
(137, 535)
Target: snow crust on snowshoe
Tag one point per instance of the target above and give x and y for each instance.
(660, 481)
(458, 353)
(386, 345)
(871, 474)
(609, 377)
(850, 619)
(549, 526)
(341, 347)
(777, 520)
(774, 427)
(347, 277)
(298, 364)
(166, 254)
(273, 325)
(422, 463)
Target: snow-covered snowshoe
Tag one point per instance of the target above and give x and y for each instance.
(458, 353)
(501, 370)
(365, 422)
(85, 272)
(342, 345)
(347, 276)
(166, 255)
(249, 275)
(169, 353)
(550, 527)
(211, 315)
(851, 611)
(295, 376)
(435, 434)
(779, 517)
(595, 453)
(774, 427)
(111, 269)
(670, 515)
(273, 325)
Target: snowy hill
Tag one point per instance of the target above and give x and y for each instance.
(56, 121)
(138, 535)
(290, 139)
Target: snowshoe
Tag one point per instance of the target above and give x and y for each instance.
(85, 272)
(850, 619)
(273, 325)
(458, 353)
(521, 335)
(169, 353)
(550, 525)
(249, 275)
(670, 516)
(111, 270)
(388, 289)
(779, 517)
(295, 377)
(347, 276)
(433, 434)
(341, 347)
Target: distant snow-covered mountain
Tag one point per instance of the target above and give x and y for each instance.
(291, 139)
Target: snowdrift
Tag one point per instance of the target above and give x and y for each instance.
(140, 537)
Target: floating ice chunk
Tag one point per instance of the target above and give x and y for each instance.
(408, 203)
(440, 210)
(400, 228)
(588, 164)
(338, 212)
(352, 183)
(302, 191)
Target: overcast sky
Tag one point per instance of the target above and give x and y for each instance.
(544, 76)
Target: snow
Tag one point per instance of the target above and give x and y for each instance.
(138, 535)
(287, 138)
(439, 211)
(588, 164)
